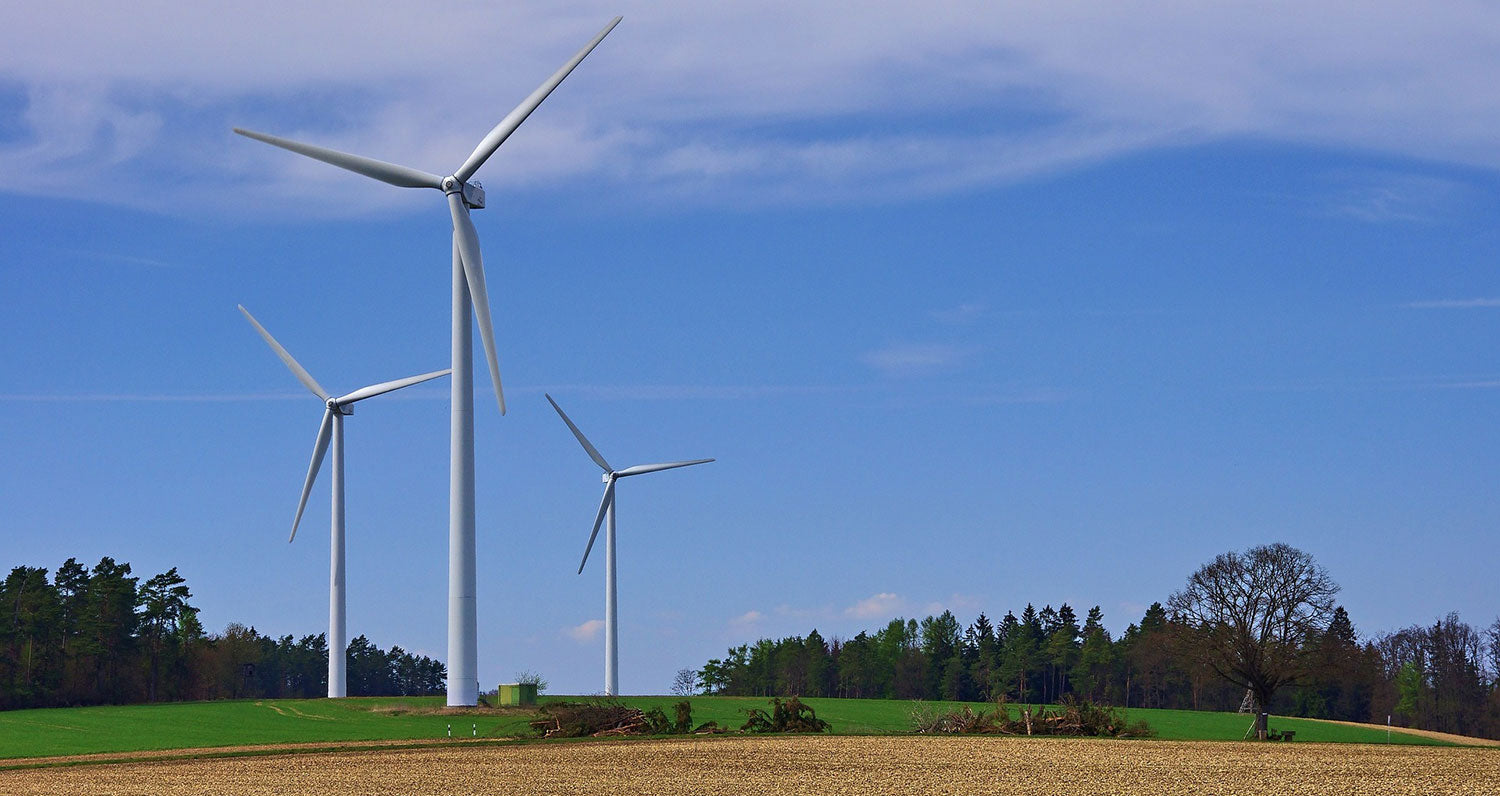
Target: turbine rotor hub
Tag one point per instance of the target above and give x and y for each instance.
(472, 192)
(343, 409)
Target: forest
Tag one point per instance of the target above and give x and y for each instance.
(101, 636)
(1444, 676)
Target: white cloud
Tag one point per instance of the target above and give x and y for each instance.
(586, 632)
(959, 604)
(743, 102)
(884, 605)
(1387, 196)
(747, 618)
(1455, 304)
(903, 360)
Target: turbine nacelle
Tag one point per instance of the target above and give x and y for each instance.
(471, 191)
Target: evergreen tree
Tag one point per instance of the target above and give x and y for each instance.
(980, 644)
(1095, 658)
(818, 665)
(163, 603)
(109, 628)
(941, 641)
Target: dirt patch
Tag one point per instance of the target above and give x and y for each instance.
(1464, 740)
(839, 766)
(408, 710)
(226, 751)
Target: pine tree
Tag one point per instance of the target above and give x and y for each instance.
(979, 642)
(163, 602)
(817, 665)
(1095, 657)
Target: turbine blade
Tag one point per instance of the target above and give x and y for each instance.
(320, 449)
(609, 496)
(387, 386)
(292, 364)
(468, 247)
(640, 469)
(513, 120)
(593, 454)
(400, 176)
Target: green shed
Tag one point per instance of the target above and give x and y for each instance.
(517, 694)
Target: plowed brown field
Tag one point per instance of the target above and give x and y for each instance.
(804, 765)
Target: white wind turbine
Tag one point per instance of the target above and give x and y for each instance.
(331, 434)
(607, 509)
(468, 288)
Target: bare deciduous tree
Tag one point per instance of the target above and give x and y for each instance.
(1249, 616)
(685, 683)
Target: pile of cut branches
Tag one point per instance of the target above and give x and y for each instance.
(595, 719)
(926, 719)
(788, 716)
(1073, 718)
(603, 719)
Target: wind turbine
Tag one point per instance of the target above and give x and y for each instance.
(463, 195)
(607, 509)
(331, 434)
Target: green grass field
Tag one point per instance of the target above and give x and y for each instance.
(69, 731)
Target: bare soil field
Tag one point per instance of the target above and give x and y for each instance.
(1466, 740)
(805, 765)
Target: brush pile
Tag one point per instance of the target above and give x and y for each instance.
(788, 716)
(581, 719)
(606, 719)
(1072, 718)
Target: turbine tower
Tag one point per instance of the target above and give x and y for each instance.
(607, 510)
(331, 432)
(463, 194)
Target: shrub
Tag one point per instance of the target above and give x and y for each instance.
(788, 716)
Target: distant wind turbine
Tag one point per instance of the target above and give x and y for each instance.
(331, 433)
(463, 195)
(607, 509)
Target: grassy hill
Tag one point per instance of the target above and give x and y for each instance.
(69, 731)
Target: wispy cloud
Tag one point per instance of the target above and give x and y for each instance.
(961, 315)
(747, 619)
(1384, 197)
(149, 397)
(702, 99)
(993, 397)
(677, 392)
(1390, 384)
(960, 604)
(586, 632)
(209, 398)
(119, 259)
(904, 360)
(884, 605)
(1454, 304)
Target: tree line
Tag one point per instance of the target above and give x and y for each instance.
(1444, 677)
(99, 635)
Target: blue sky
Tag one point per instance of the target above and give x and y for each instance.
(974, 306)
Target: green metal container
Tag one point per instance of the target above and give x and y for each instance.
(517, 694)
